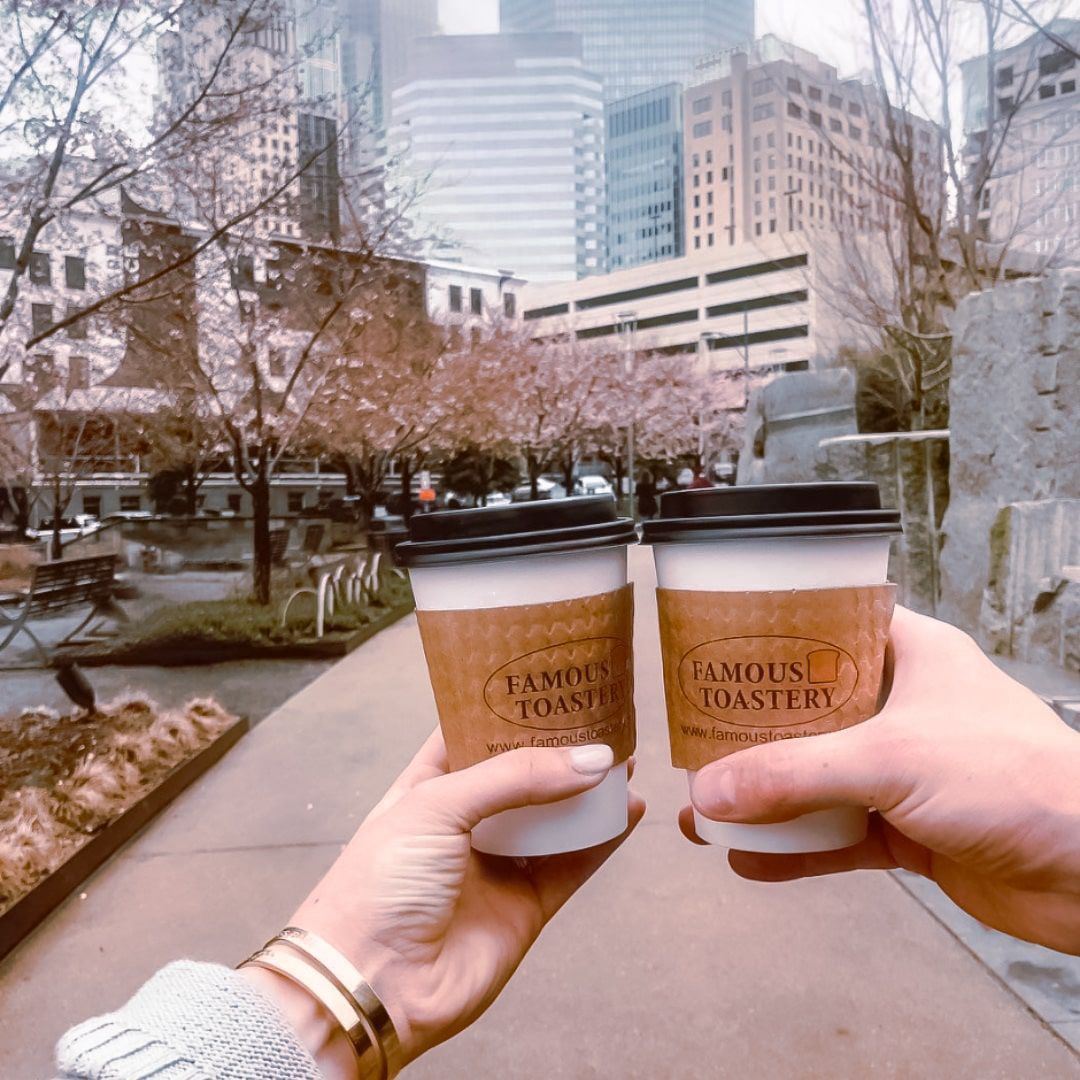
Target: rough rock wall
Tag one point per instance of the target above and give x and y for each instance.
(911, 468)
(1015, 424)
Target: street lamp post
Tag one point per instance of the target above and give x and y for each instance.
(704, 340)
(626, 322)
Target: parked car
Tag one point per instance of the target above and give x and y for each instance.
(593, 485)
(545, 489)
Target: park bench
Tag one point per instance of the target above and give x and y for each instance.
(59, 586)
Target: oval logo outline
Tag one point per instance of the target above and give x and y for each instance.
(575, 718)
(767, 637)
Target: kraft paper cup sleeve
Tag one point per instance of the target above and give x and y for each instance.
(554, 674)
(743, 668)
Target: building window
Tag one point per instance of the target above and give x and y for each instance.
(7, 253)
(40, 271)
(701, 105)
(761, 86)
(476, 301)
(725, 99)
(815, 119)
(1047, 91)
(702, 128)
(725, 123)
(76, 330)
(233, 501)
(509, 305)
(772, 225)
(295, 502)
(1059, 60)
(74, 272)
(835, 125)
(708, 157)
(455, 299)
(794, 111)
(91, 504)
(836, 101)
(708, 198)
(764, 112)
(757, 228)
(697, 221)
(854, 132)
(129, 504)
(711, 238)
(854, 108)
(697, 201)
(41, 317)
(696, 161)
(78, 373)
(1005, 76)
(794, 86)
(1068, 86)
(813, 93)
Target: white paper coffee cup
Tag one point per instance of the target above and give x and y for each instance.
(752, 554)
(547, 565)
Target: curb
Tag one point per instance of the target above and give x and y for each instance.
(32, 909)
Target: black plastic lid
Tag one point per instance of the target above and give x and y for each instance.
(544, 527)
(731, 513)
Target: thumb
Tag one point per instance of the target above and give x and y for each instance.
(781, 780)
(525, 777)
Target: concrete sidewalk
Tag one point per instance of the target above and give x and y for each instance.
(666, 965)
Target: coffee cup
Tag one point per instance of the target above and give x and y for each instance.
(526, 619)
(774, 616)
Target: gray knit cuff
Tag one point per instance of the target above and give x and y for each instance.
(190, 1021)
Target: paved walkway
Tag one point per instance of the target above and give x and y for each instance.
(666, 965)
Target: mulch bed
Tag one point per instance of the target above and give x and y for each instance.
(64, 780)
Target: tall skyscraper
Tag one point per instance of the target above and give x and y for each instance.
(643, 157)
(1032, 198)
(376, 39)
(635, 44)
(504, 135)
(776, 143)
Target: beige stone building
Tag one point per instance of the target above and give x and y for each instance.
(776, 142)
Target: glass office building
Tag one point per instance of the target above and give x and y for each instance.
(504, 136)
(634, 45)
(643, 155)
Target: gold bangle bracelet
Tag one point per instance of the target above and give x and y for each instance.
(345, 976)
(298, 969)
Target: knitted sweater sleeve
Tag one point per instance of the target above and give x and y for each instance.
(191, 1021)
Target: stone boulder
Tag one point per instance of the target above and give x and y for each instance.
(788, 417)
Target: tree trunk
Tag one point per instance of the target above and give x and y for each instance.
(191, 490)
(620, 473)
(56, 549)
(406, 489)
(260, 501)
(534, 475)
(568, 473)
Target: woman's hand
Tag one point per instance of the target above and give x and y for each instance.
(976, 783)
(436, 927)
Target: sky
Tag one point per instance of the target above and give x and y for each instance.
(823, 26)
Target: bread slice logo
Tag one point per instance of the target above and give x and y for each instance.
(768, 680)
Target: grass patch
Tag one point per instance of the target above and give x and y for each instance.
(241, 621)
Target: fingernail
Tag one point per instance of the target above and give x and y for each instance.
(714, 792)
(592, 759)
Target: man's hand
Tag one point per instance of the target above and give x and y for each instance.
(975, 781)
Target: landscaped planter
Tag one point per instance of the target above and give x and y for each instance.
(329, 647)
(87, 825)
